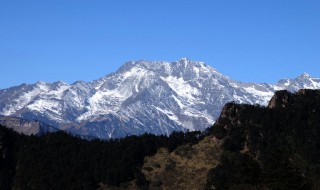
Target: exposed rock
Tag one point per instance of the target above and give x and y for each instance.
(280, 99)
(26, 127)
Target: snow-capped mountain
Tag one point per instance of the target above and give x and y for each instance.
(142, 96)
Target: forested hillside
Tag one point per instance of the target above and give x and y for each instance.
(61, 161)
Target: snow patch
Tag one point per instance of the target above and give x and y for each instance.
(196, 70)
(169, 113)
(265, 96)
(181, 87)
(178, 101)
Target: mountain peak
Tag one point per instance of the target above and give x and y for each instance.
(305, 75)
(184, 60)
(41, 83)
(60, 83)
(183, 65)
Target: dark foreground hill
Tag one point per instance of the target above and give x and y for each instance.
(277, 147)
(249, 147)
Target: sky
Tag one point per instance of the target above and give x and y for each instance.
(71, 40)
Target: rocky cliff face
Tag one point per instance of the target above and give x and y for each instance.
(280, 99)
(142, 96)
(27, 127)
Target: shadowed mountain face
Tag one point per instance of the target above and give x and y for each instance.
(153, 97)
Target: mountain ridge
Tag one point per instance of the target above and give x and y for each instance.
(141, 96)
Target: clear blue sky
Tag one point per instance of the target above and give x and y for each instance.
(70, 40)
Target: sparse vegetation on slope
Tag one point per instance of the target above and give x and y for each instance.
(184, 168)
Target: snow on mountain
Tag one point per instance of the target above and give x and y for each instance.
(142, 96)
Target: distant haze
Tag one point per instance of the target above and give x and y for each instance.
(250, 41)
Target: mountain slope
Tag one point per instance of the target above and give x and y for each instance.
(184, 168)
(142, 96)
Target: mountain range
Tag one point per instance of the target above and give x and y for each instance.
(249, 147)
(140, 97)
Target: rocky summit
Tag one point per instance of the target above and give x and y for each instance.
(140, 97)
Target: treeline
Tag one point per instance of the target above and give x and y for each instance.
(61, 161)
(277, 148)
